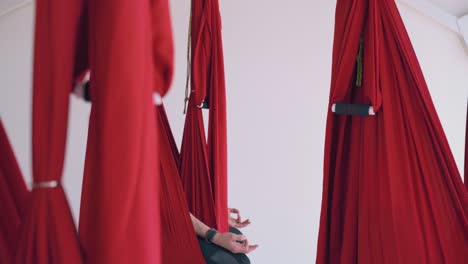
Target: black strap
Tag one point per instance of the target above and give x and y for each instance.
(352, 109)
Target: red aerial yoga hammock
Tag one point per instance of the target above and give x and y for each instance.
(392, 192)
(131, 52)
(48, 233)
(180, 242)
(204, 165)
(13, 199)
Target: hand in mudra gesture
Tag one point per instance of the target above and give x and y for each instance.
(234, 243)
(237, 220)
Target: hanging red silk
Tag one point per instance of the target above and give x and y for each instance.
(204, 164)
(120, 210)
(13, 199)
(180, 242)
(48, 232)
(392, 192)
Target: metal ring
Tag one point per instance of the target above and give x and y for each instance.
(45, 184)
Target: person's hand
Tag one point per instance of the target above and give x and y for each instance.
(233, 242)
(237, 221)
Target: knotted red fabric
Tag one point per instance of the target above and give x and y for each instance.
(48, 232)
(204, 164)
(392, 192)
(14, 198)
(180, 243)
(120, 211)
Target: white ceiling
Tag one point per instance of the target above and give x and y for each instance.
(6, 5)
(456, 7)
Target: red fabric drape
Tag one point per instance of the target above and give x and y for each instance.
(48, 232)
(170, 148)
(194, 172)
(180, 242)
(217, 127)
(120, 213)
(204, 165)
(13, 199)
(466, 152)
(163, 46)
(392, 192)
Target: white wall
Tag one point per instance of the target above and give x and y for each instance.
(278, 60)
(15, 80)
(444, 61)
